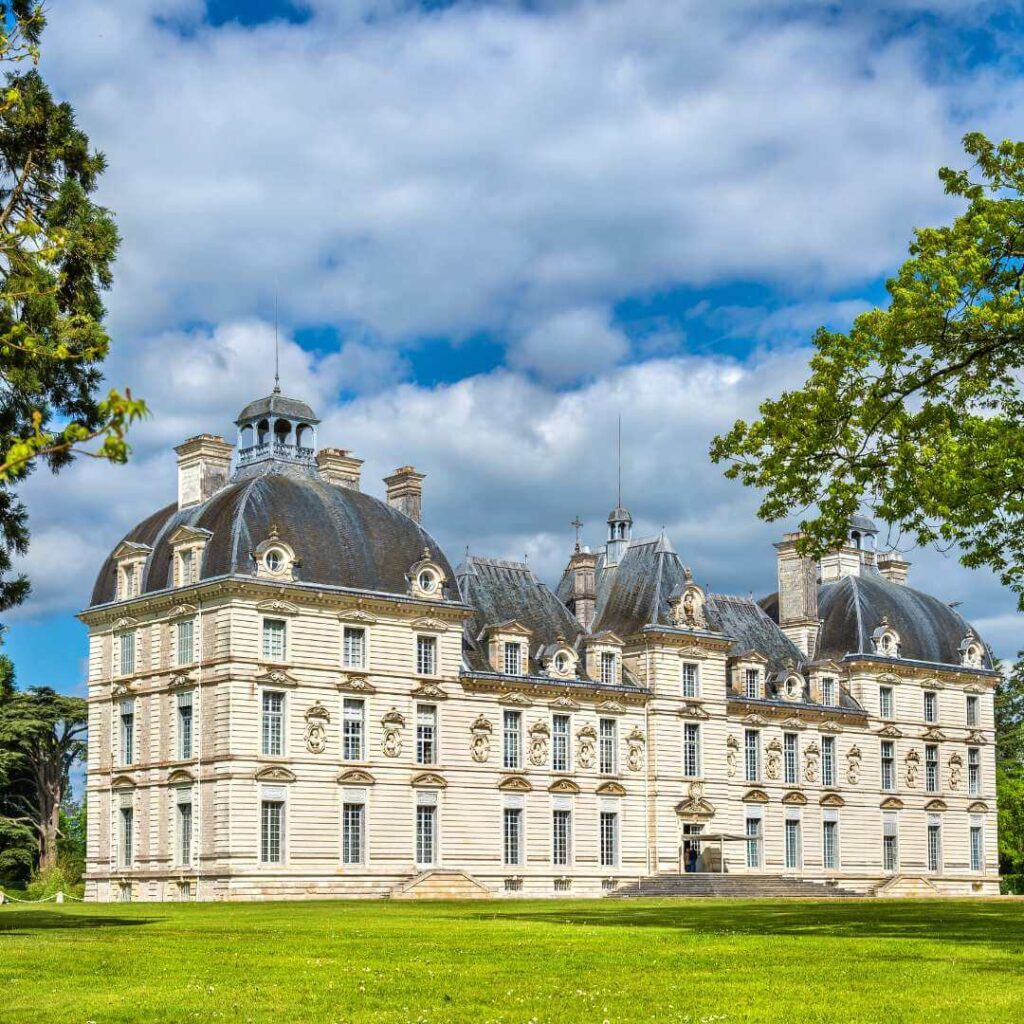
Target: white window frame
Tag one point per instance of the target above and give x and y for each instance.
(828, 691)
(933, 851)
(752, 755)
(187, 558)
(930, 708)
(266, 839)
(886, 703)
(753, 829)
(691, 751)
(974, 782)
(609, 840)
(972, 709)
(186, 732)
(428, 734)
(828, 761)
(127, 738)
(185, 830)
(427, 803)
(185, 642)
(689, 678)
(887, 765)
(352, 801)
(791, 758)
(512, 654)
(931, 768)
(267, 718)
(607, 746)
(976, 850)
(512, 844)
(127, 653)
(890, 830)
(347, 659)
(752, 683)
(561, 743)
(561, 839)
(126, 836)
(512, 740)
(608, 662)
(426, 654)
(269, 632)
(353, 729)
(796, 862)
(830, 817)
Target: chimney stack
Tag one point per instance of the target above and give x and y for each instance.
(204, 466)
(893, 567)
(798, 594)
(405, 491)
(339, 466)
(582, 600)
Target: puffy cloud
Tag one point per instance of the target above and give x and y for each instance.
(572, 345)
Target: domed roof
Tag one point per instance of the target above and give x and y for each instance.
(277, 404)
(341, 537)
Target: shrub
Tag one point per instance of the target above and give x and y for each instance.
(1012, 885)
(61, 878)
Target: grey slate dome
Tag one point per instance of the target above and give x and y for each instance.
(277, 404)
(341, 537)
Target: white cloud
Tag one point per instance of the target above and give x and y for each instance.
(572, 345)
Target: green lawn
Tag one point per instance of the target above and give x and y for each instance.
(518, 962)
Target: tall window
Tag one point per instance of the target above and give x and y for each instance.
(131, 581)
(931, 768)
(186, 649)
(352, 729)
(513, 836)
(274, 643)
(885, 702)
(752, 683)
(561, 836)
(977, 849)
(792, 843)
(353, 647)
(426, 734)
(830, 843)
(272, 730)
(828, 760)
(127, 843)
(934, 844)
(973, 771)
(609, 827)
(272, 831)
(890, 842)
(691, 750)
(127, 651)
(608, 668)
(689, 679)
(560, 753)
(791, 758)
(513, 659)
(426, 655)
(752, 755)
(426, 834)
(972, 711)
(888, 764)
(828, 690)
(185, 833)
(185, 725)
(127, 732)
(606, 753)
(753, 834)
(931, 706)
(187, 564)
(353, 820)
(512, 739)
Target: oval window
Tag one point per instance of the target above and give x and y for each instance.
(274, 560)
(562, 662)
(427, 581)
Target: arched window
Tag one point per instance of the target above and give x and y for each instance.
(245, 441)
(304, 436)
(262, 432)
(282, 432)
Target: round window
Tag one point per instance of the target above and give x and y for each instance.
(274, 560)
(427, 581)
(562, 662)
(793, 686)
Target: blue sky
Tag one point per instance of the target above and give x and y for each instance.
(491, 228)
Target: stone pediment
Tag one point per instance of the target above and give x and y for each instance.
(184, 611)
(356, 682)
(122, 782)
(936, 805)
(692, 651)
(933, 733)
(277, 607)
(831, 800)
(695, 805)
(830, 726)
(513, 627)
(975, 738)
(356, 777)
(515, 784)
(427, 624)
(792, 724)
(429, 780)
(564, 703)
(977, 807)
(512, 698)
(611, 707)
(755, 796)
(892, 803)
(605, 637)
(611, 788)
(890, 732)
(189, 535)
(429, 691)
(122, 688)
(276, 677)
(393, 717)
(563, 786)
(356, 617)
(180, 681)
(755, 720)
(126, 622)
(795, 798)
(274, 773)
(180, 776)
(130, 549)
(694, 709)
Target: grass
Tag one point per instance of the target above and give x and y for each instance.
(591, 961)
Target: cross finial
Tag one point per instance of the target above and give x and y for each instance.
(577, 523)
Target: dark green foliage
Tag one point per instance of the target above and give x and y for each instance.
(1009, 713)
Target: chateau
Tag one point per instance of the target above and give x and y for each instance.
(293, 694)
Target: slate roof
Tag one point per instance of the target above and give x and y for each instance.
(745, 620)
(341, 537)
(278, 405)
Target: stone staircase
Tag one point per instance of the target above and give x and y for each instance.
(736, 886)
(437, 884)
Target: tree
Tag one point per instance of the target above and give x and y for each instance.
(1009, 712)
(56, 251)
(917, 412)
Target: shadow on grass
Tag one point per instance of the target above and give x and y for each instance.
(24, 921)
(949, 922)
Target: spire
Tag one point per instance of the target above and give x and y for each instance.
(619, 501)
(277, 350)
(578, 524)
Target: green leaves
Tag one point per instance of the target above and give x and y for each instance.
(916, 412)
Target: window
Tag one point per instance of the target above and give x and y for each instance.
(426, 655)
(274, 560)
(792, 843)
(274, 646)
(272, 831)
(691, 750)
(753, 833)
(752, 683)
(352, 729)
(828, 690)
(885, 701)
(606, 759)
(185, 725)
(185, 833)
(830, 842)
(513, 659)
(689, 679)
(977, 849)
(931, 768)
(130, 581)
(828, 760)
(353, 818)
(609, 837)
(426, 734)
(187, 566)
(272, 729)
(890, 842)
(608, 668)
(561, 756)
(127, 650)
(127, 732)
(185, 649)
(973, 771)
(791, 758)
(426, 834)
(888, 764)
(127, 844)
(353, 653)
(931, 706)
(752, 755)
(513, 836)
(972, 711)
(561, 836)
(562, 663)
(512, 739)
(934, 844)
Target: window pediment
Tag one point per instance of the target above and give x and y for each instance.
(795, 799)
(564, 786)
(515, 784)
(180, 776)
(356, 777)
(274, 773)
(755, 796)
(611, 788)
(429, 691)
(429, 780)
(425, 624)
(611, 707)
(892, 803)
(276, 677)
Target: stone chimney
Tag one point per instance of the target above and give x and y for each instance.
(798, 594)
(405, 491)
(204, 467)
(339, 466)
(893, 567)
(582, 600)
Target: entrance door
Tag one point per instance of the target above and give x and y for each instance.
(689, 852)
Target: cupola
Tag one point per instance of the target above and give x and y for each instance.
(620, 528)
(277, 429)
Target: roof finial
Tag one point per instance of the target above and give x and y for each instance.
(619, 502)
(277, 349)
(578, 524)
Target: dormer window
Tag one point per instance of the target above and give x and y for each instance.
(885, 640)
(513, 659)
(428, 581)
(793, 687)
(274, 560)
(130, 581)
(562, 663)
(608, 668)
(187, 567)
(828, 690)
(972, 652)
(752, 683)
(426, 578)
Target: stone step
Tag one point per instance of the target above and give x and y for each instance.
(437, 884)
(740, 886)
